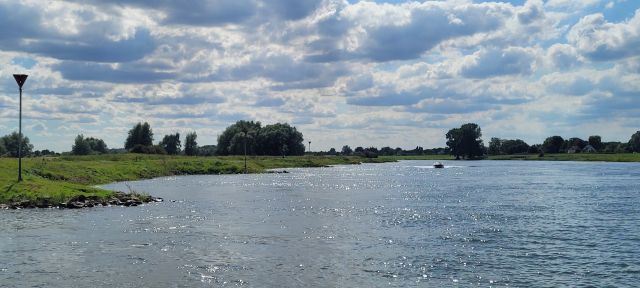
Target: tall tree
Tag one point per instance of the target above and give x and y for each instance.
(346, 150)
(190, 144)
(141, 134)
(576, 142)
(233, 139)
(10, 142)
(171, 143)
(97, 145)
(3, 150)
(495, 146)
(80, 146)
(89, 145)
(596, 142)
(553, 144)
(516, 146)
(466, 141)
(634, 142)
(276, 138)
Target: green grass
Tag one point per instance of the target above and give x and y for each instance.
(63, 178)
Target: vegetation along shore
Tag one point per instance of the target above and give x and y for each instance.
(69, 180)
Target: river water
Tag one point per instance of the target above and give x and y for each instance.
(405, 224)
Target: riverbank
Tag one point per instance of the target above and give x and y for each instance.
(71, 180)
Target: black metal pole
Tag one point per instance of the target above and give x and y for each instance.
(20, 79)
(20, 140)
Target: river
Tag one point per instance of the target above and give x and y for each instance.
(405, 224)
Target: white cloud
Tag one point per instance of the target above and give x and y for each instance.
(599, 40)
(332, 67)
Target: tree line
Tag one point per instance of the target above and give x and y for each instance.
(282, 139)
(466, 142)
(243, 136)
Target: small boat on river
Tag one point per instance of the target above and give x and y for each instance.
(438, 165)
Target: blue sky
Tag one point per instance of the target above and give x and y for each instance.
(359, 73)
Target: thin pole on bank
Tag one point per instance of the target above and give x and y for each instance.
(20, 79)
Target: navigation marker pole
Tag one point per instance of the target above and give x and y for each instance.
(20, 79)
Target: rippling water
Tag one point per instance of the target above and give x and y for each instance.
(482, 223)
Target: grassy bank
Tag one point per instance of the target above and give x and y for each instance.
(62, 178)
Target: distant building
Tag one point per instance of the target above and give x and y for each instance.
(589, 149)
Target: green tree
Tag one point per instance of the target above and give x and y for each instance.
(495, 146)
(81, 146)
(634, 142)
(596, 142)
(516, 146)
(171, 143)
(466, 141)
(10, 142)
(207, 150)
(346, 150)
(387, 151)
(233, 139)
(3, 150)
(279, 138)
(190, 144)
(141, 134)
(576, 142)
(97, 145)
(553, 144)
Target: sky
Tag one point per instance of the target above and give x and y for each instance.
(358, 73)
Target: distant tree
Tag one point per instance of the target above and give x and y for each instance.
(535, 149)
(86, 146)
(140, 134)
(596, 142)
(418, 150)
(359, 150)
(466, 141)
(516, 146)
(190, 144)
(610, 147)
(145, 149)
(80, 146)
(634, 142)
(371, 152)
(207, 150)
(3, 150)
(576, 142)
(553, 144)
(10, 142)
(97, 145)
(387, 151)
(171, 143)
(332, 151)
(398, 151)
(44, 152)
(279, 139)
(233, 139)
(346, 150)
(495, 146)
